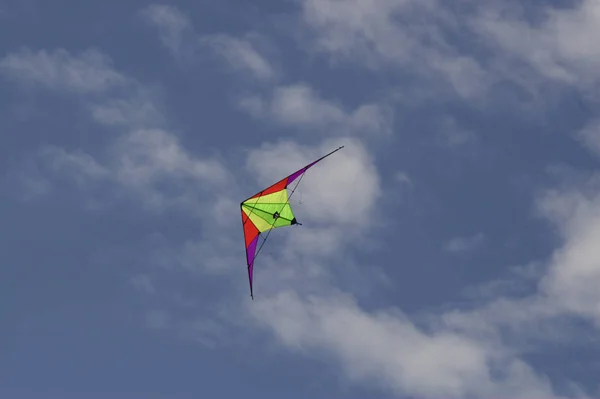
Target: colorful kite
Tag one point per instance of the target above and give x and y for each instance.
(267, 210)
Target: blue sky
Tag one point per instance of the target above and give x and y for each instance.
(449, 250)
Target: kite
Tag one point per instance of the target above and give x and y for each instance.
(268, 210)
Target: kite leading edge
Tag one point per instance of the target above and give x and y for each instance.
(267, 210)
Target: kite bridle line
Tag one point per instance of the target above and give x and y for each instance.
(282, 208)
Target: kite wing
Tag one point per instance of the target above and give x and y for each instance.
(267, 210)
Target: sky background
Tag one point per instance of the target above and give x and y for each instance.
(450, 250)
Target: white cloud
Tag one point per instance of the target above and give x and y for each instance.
(414, 36)
(570, 284)
(388, 348)
(565, 289)
(590, 136)
(560, 46)
(143, 156)
(300, 105)
(89, 71)
(406, 33)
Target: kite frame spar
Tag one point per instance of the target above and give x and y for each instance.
(269, 209)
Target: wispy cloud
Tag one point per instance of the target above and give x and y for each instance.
(294, 105)
(144, 164)
(112, 97)
(453, 135)
(384, 33)
(574, 269)
(143, 283)
(415, 37)
(241, 55)
(560, 46)
(299, 105)
(179, 35)
(463, 244)
(174, 28)
(145, 155)
(562, 289)
(458, 352)
(134, 112)
(89, 71)
(402, 177)
(138, 160)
